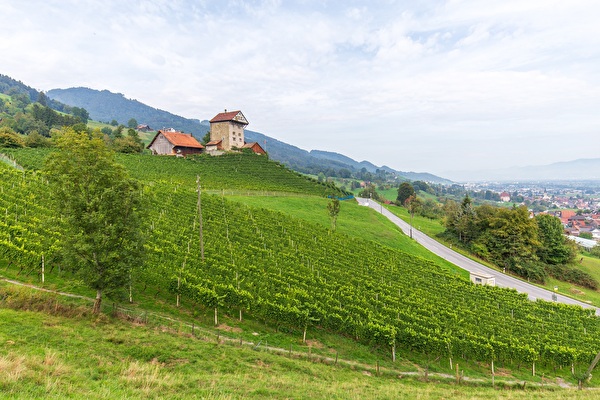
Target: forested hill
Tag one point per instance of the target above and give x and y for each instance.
(15, 88)
(106, 106)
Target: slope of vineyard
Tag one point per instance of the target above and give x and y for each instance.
(296, 274)
(232, 171)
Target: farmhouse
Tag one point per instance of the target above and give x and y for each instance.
(172, 142)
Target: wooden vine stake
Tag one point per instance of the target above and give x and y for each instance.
(457, 375)
(592, 365)
(43, 267)
(304, 334)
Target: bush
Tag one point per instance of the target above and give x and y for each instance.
(8, 138)
(572, 275)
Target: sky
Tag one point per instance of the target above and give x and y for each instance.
(427, 86)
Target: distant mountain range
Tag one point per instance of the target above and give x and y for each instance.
(106, 106)
(577, 170)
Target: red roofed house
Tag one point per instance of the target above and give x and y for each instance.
(171, 142)
(505, 197)
(255, 147)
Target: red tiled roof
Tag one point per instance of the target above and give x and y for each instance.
(214, 142)
(225, 116)
(182, 139)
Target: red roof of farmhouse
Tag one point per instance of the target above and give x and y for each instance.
(182, 139)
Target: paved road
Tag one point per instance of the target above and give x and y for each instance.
(463, 262)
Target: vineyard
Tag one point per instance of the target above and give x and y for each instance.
(290, 273)
(238, 171)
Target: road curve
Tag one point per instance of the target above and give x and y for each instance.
(502, 280)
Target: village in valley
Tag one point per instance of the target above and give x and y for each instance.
(577, 204)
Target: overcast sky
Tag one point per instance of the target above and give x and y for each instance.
(431, 86)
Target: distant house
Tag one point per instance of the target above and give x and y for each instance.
(505, 197)
(171, 142)
(255, 147)
(143, 128)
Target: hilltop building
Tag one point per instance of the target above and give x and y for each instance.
(228, 128)
(171, 142)
(227, 133)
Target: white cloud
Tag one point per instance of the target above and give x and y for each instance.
(438, 83)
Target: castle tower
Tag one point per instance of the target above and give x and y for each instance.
(228, 127)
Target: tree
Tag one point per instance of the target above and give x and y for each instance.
(106, 131)
(118, 132)
(98, 205)
(369, 192)
(42, 99)
(114, 122)
(334, 209)
(413, 204)
(206, 138)
(132, 123)
(129, 144)
(511, 241)
(81, 113)
(404, 192)
(554, 247)
(34, 139)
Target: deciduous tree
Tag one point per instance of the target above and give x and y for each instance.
(99, 207)
(404, 192)
(554, 249)
(334, 209)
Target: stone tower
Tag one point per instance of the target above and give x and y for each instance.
(228, 127)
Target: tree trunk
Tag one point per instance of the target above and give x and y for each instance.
(97, 302)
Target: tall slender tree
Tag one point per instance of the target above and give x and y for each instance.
(334, 209)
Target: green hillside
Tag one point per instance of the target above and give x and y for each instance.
(296, 275)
